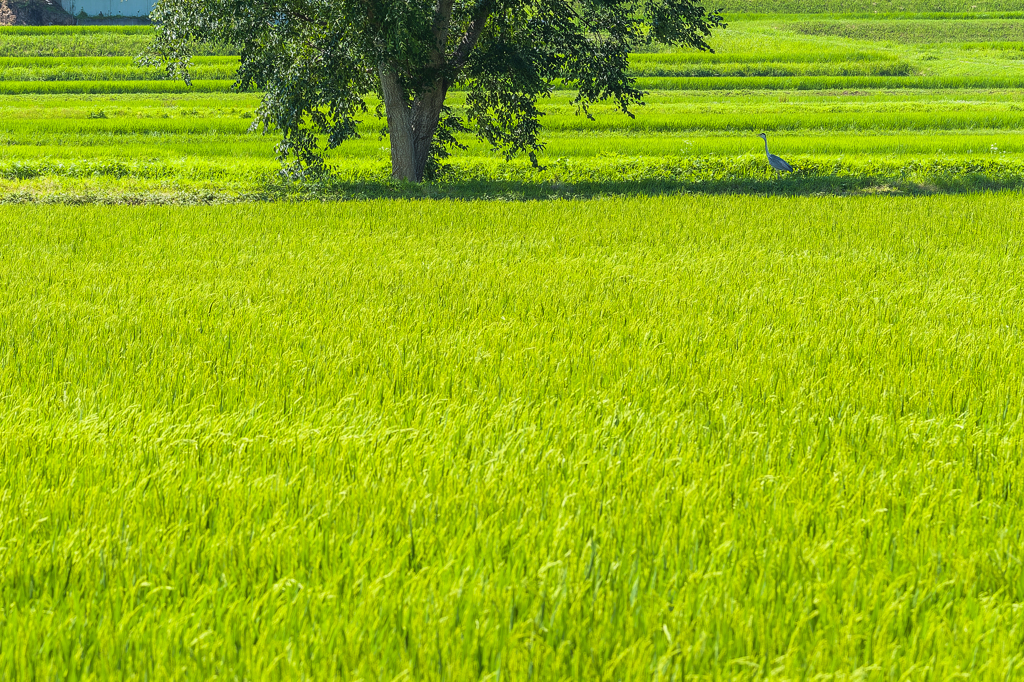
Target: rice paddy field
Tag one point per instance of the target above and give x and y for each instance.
(649, 413)
(905, 99)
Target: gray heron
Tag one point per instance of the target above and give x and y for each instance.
(774, 161)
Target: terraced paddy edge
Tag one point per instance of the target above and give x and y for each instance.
(566, 440)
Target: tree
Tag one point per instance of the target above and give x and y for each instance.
(317, 61)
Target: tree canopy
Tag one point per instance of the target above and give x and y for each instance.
(317, 62)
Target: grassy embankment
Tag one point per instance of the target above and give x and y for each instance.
(745, 438)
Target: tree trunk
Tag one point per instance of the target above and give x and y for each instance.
(396, 107)
(411, 128)
(426, 111)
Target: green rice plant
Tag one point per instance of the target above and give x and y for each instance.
(1017, 46)
(877, 117)
(651, 119)
(543, 440)
(641, 60)
(850, 147)
(34, 106)
(830, 82)
(723, 173)
(650, 69)
(88, 44)
(680, 102)
(85, 45)
(86, 62)
(113, 124)
(35, 31)
(74, 72)
(186, 169)
(917, 31)
(243, 151)
(760, 121)
(111, 87)
(366, 172)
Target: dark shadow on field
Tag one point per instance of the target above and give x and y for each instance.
(526, 189)
(518, 190)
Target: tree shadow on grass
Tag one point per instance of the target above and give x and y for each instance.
(520, 190)
(524, 187)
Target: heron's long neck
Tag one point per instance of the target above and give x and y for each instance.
(765, 145)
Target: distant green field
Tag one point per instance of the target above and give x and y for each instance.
(922, 99)
(736, 437)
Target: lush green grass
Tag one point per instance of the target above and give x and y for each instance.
(626, 439)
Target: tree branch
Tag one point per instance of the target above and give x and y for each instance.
(472, 35)
(293, 14)
(442, 24)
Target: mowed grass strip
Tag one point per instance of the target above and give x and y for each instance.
(559, 440)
